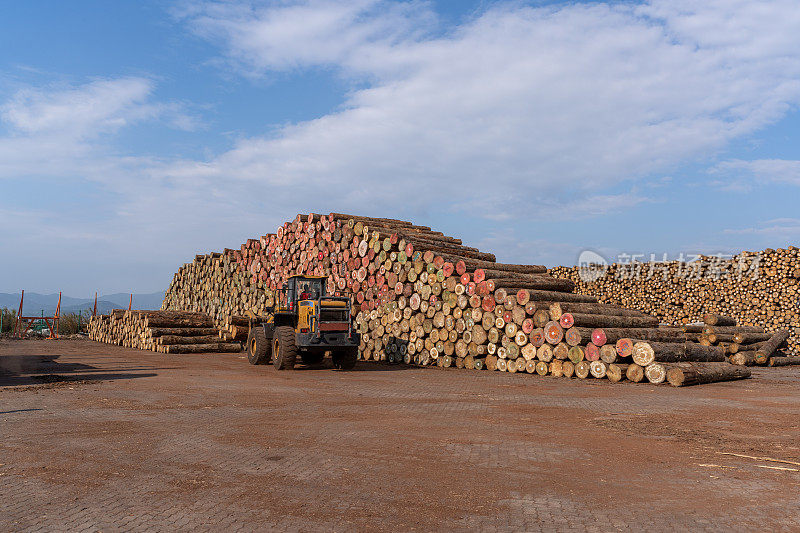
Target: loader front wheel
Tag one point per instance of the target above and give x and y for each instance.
(284, 348)
(258, 348)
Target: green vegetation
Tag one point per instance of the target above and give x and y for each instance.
(7, 317)
(69, 324)
(74, 323)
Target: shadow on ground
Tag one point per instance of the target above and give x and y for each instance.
(41, 369)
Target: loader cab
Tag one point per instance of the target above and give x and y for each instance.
(308, 289)
(300, 288)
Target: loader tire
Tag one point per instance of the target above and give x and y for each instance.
(258, 347)
(284, 348)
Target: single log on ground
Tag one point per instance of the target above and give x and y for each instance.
(203, 348)
(543, 283)
(608, 354)
(643, 353)
(175, 339)
(784, 361)
(716, 338)
(473, 264)
(553, 296)
(732, 329)
(685, 374)
(655, 373)
(610, 321)
(634, 373)
(616, 372)
(744, 337)
(670, 352)
(598, 369)
(693, 328)
(173, 322)
(582, 369)
(772, 345)
(238, 320)
(746, 358)
(558, 308)
(713, 319)
(650, 334)
(183, 332)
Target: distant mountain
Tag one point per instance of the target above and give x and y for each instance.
(36, 303)
(140, 301)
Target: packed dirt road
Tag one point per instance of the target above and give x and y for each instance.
(97, 437)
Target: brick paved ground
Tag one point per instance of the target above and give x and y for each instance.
(94, 437)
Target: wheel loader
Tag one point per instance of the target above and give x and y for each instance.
(304, 323)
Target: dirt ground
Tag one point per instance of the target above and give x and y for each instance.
(99, 437)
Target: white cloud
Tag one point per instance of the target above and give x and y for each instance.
(518, 108)
(742, 176)
(79, 112)
(777, 227)
(288, 35)
(64, 131)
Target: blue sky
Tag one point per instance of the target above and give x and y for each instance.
(136, 134)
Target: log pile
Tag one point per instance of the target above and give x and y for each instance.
(756, 289)
(745, 345)
(425, 298)
(168, 332)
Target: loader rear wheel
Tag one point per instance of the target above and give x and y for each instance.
(284, 348)
(258, 347)
(345, 359)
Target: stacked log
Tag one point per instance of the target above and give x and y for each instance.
(756, 289)
(745, 345)
(169, 332)
(422, 297)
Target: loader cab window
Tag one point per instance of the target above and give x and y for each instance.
(310, 289)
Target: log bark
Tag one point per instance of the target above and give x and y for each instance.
(743, 338)
(669, 352)
(183, 332)
(611, 321)
(175, 339)
(784, 361)
(772, 345)
(747, 358)
(732, 329)
(612, 335)
(713, 319)
(542, 283)
(175, 322)
(558, 308)
(554, 296)
(685, 374)
(203, 348)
